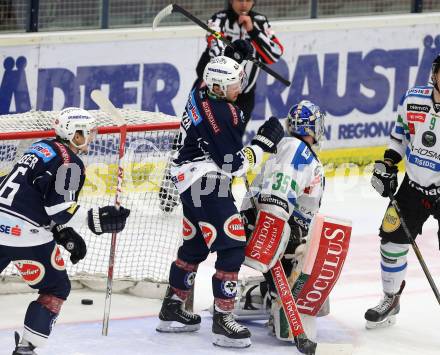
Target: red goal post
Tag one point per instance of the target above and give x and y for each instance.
(150, 240)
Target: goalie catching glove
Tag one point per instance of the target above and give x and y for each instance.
(71, 241)
(107, 219)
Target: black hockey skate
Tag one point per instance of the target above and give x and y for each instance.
(22, 349)
(384, 314)
(227, 332)
(174, 318)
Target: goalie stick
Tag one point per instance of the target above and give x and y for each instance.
(303, 343)
(105, 104)
(173, 8)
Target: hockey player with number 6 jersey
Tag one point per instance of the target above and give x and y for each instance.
(38, 207)
(415, 139)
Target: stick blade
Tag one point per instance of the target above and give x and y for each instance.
(166, 11)
(106, 105)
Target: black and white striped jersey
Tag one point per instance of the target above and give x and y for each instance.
(266, 46)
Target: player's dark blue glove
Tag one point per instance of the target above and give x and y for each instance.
(269, 135)
(384, 179)
(107, 219)
(240, 50)
(71, 241)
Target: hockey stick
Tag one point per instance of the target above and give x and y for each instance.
(173, 8)
(105, 104)
(415, 248)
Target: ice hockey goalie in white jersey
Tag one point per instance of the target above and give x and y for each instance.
(415, 138)
(288, 190)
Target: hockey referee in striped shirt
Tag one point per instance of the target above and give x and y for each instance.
(250, 33)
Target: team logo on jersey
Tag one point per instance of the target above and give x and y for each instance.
(391, 221)
(229, 288)
(57, 260)
(234, 228)
(189, 231)
(209, 233)
(415, 117)
(192, 111)
(42, 150)
(31, 271)
(429, 139)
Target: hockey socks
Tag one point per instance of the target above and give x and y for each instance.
(41, 316)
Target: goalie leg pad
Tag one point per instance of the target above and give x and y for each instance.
(323, 262)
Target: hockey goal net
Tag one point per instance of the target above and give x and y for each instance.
(147, 246)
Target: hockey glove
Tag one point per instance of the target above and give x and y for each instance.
(107, 219)
(71, 241)
(240, 50)
(269, 135)
(384, 179)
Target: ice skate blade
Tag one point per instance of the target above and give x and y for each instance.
(225, 342)
(383, 324)
(176, 327)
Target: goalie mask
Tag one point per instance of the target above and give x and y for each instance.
(225, 73)
(73, 119)
(306, 119)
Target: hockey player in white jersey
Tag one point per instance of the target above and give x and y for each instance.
(289, 190)
(38, 207)
(415, 138)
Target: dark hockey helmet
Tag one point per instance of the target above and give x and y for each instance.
(306, 119)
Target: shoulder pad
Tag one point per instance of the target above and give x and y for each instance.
(302, 156)
(42, 150)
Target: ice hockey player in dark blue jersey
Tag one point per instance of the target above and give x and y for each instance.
(38, 203)
(211, 154)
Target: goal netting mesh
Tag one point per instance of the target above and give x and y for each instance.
(148, 244)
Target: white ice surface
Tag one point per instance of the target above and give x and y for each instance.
(132, 328)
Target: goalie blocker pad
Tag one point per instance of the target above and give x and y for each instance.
(269, 239)
(323, 262)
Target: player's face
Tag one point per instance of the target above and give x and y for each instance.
(82, 142)
(436, 78)
(242, 7)
(233, 91)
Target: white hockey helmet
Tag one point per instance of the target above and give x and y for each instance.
(224, 71)
(73, 119)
